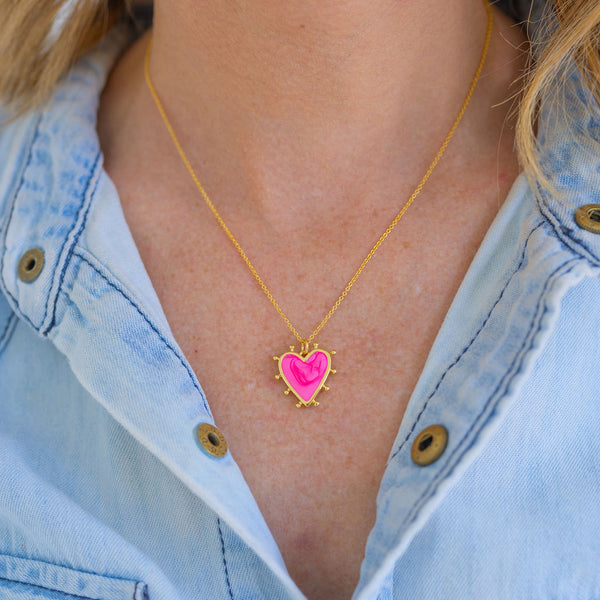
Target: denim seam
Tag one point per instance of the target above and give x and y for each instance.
(466, 348)
(515, 368)
(141, 591)
(92, 180)
(7, 332)
(27, 163)
(224, 559)
(43, 587)
(68, 568)
(146, 319)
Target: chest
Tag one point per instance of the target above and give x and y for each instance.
(315, 472)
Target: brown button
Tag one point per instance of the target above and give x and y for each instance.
(429, 445)
(588, 217)
(31, 265)
(212, 440)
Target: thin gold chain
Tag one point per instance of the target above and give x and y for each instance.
(384, 235)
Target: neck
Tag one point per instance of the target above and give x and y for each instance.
(284, 82)
(329, 59)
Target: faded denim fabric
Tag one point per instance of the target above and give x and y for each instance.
(105, 493)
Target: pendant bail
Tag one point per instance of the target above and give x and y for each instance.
(305, 348)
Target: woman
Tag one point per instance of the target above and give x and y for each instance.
(455, 454)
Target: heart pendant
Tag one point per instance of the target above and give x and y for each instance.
(305, 373)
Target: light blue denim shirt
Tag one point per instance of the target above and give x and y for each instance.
(105, 492)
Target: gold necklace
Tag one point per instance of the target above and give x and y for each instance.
(306, 372)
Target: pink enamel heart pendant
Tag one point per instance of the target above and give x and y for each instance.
(305, 373)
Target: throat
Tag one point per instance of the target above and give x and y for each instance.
(278, 84)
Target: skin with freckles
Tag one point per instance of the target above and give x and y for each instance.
(309, 125)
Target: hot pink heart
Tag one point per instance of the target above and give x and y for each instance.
(305, 376)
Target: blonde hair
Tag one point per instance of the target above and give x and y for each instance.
(572, 37)
(35, 53)
(41, 39)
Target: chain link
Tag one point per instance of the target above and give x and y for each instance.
(384, 235)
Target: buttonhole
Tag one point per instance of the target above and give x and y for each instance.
(425, 442)
(213, 438)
